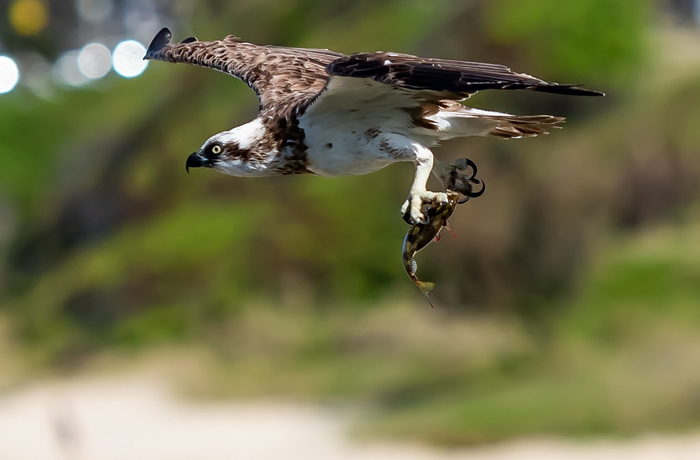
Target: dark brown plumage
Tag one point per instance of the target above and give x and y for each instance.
(283, 78)
(418, 73)
(288, 79)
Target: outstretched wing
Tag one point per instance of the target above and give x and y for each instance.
(393, 85)
(405, 89)
(283, 78)
(443, 75)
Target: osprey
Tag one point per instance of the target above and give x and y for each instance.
(331, 114)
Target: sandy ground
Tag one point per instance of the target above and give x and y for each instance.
(140, 419)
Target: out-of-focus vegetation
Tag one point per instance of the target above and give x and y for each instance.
(569, 303)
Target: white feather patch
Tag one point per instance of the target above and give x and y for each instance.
(245, 136)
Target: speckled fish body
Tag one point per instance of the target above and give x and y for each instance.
(422, 234)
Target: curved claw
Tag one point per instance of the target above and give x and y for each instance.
(466, 191)
(406, 216)
(463, 164)
(462, 182)
(478, 193)
(469, 192)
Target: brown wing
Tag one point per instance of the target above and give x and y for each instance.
(417, 73)
(283, 78)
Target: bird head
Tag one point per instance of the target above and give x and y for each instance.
(236, 152)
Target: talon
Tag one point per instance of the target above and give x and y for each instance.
(461, 164)
(412, 208)
(462, 182)
(479, 192)
(418, 219)
(439, 197)
(404, 207)
(412, 219)
(465, 188)
(464, 164)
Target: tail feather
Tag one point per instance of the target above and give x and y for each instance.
(465, 121)
(524, 126)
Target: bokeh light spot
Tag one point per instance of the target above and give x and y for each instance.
(94, 60)
(36, 75)
(67, 72)
(128, 59)
(29, 17)
(94, 10)
(9, 74)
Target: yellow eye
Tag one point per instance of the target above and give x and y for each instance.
(216, 149)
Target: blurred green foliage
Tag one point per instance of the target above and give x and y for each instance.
(595, 40)
(558, 304)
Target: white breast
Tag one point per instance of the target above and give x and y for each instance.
(349, 149)
(349, 140)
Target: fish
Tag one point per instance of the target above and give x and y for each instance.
(422, 234)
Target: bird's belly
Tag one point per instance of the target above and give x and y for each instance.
(350, 153)
(345, 162)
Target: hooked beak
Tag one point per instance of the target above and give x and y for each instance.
(194, 161)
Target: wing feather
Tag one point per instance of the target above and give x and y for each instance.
(283, 78)
(288, 80)
(417, 73)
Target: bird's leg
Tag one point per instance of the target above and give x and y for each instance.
(397, 147)
(418, 194)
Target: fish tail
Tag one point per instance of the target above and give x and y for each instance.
(425, 286)
(427, 294)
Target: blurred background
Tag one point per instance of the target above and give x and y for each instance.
(569, 304)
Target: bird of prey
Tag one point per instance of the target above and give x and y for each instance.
(332, 114)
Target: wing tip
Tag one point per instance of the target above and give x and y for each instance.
(160, 41)
(569, 90)
(579, 90)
